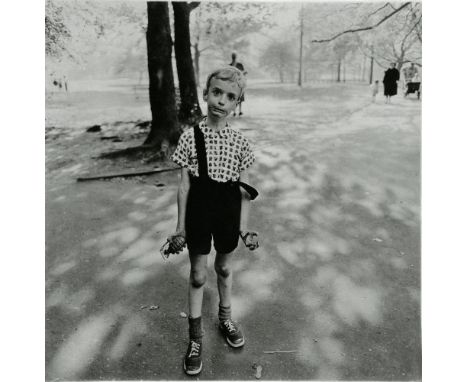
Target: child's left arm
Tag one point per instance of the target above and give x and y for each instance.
(250, 238)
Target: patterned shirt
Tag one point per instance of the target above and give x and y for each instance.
(228, 153)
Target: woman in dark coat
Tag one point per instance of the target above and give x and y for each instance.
(392, 75)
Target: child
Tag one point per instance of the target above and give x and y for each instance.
(375, 90)
(214, 160)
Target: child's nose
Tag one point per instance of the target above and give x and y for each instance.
(222, 99)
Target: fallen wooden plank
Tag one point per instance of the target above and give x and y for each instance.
(126, 174)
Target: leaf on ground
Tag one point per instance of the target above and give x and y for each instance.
(183, 314)
(258, 371)
(378, 240)
(154, 307)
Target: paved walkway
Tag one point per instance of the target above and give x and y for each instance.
(336, 280)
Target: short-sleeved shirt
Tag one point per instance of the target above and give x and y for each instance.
(228, 153)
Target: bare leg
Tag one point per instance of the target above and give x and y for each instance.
(196, 283)
(223, 268)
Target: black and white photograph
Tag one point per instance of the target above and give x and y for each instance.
(233, 190)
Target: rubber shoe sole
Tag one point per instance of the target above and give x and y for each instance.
(193, 372)
(238, 345)
(230, 343)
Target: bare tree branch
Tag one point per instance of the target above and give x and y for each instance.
(364, 28)
(370, 55)
(379, 9)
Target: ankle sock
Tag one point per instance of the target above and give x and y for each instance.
(224, 313)
(195, 328)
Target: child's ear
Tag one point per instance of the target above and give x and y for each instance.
(205, 95)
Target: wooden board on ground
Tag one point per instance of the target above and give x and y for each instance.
(127, 174)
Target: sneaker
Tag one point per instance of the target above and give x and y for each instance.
(232, 332)
(192, 361)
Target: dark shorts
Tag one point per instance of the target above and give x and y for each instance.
(213, 212)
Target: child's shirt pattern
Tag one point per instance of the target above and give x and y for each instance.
(228, 153)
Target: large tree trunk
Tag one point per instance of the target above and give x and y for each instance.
(165, 129)
(189, 110)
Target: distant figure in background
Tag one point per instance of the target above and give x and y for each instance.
(390, 81)
(411, 73)
(239, 66)
(65, 83)
(374, 90)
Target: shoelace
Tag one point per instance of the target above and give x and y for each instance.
(230, 326)
(194, 349)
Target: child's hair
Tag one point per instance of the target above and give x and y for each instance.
(228, 73)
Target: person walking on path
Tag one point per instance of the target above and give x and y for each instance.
(213, 203)
(239, 66)
(390, 81)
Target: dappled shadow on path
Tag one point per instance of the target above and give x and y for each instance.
(336, 278)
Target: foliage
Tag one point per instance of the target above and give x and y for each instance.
(56, 32)
(107, 36)
(223, 27)
(398, 41)
(279, 58)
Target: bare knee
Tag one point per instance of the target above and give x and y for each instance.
(223, 270)
(198, 277)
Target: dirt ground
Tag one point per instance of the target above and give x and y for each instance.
(336, 280)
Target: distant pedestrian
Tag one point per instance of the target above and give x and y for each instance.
(239, 66)
(390, 81)
(411, 73)
(213, 203)
(65, 83)
(374, 90)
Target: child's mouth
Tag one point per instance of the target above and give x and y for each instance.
(216, 110)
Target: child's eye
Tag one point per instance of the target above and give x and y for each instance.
(231, 97)
(216, 91)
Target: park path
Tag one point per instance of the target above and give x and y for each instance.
(336, 279)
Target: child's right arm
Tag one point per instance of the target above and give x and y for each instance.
(178, 238)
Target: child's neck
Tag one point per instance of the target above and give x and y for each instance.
(215, 123)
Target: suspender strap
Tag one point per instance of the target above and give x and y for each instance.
(201, 153)
(203, 163)
(253, 193)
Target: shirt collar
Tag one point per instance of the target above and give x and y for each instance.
(224, 132)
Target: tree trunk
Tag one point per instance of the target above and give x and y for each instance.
(196, 53)
(371, 71)
(338, 78)
(281, 75)
(299, 79)
(189, 110)
(165, 129)
(344, 70)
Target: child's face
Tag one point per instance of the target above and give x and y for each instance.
(221, 98)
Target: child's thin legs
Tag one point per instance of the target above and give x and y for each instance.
(224, 272)
(196, 283)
